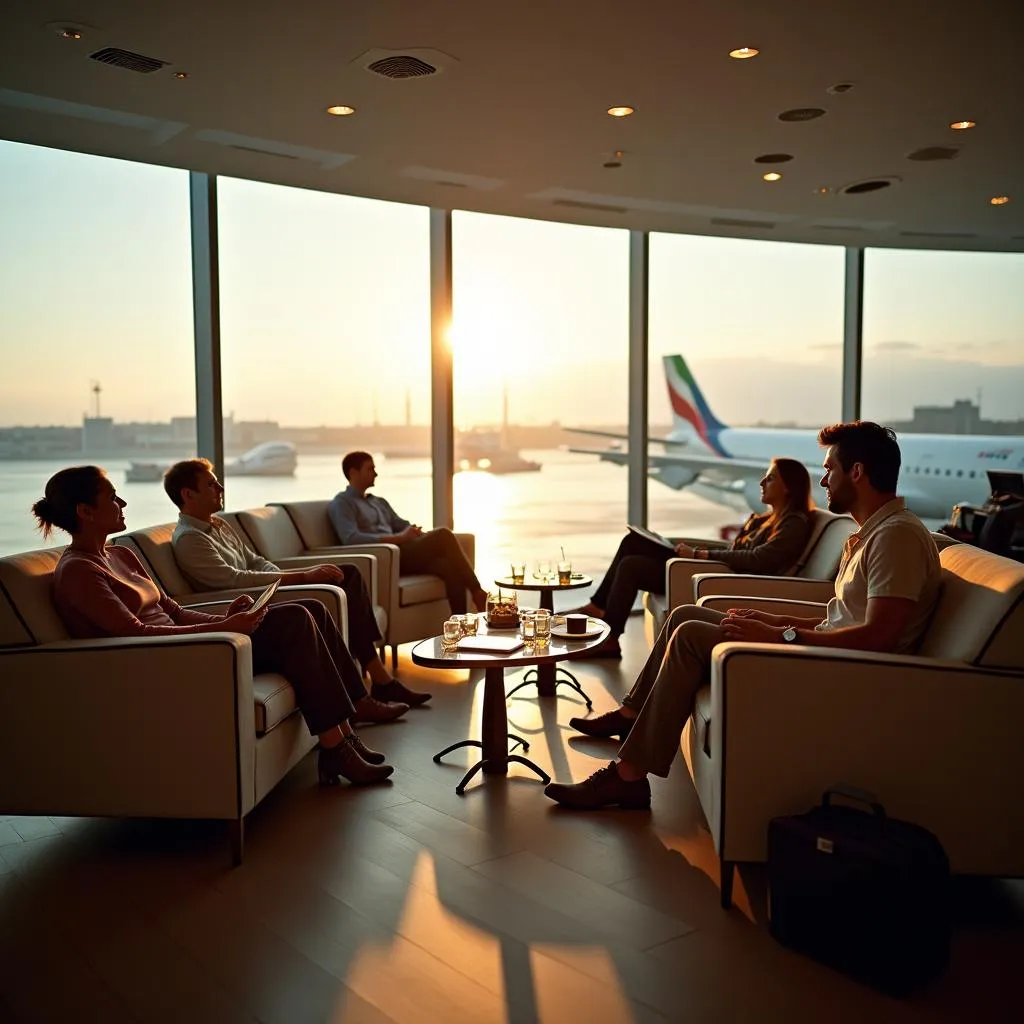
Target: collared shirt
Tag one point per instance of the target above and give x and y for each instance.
(213, 557)
(891, 555)
(363, 518)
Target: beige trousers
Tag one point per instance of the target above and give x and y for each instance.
(664, 692)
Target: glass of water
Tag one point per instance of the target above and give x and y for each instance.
(528, 627)
(543, 572)
(542, 626)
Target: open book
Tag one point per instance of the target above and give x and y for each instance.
(265, 596)
(491, 644)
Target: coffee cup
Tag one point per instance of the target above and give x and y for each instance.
(575, 623)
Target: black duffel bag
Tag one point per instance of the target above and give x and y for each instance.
(860, 891)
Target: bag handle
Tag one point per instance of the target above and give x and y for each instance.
(863, 796)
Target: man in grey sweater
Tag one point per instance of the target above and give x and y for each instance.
(214, 557)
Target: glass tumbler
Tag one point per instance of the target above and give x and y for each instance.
(528, 627)
(451, 633)
(542, 627)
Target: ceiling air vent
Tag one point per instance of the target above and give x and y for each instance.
(802, 114)
(578, 204)
(934, 153)
(401, 66)
(773, 158)
(736, 222)
(118, 58)
(858, 188)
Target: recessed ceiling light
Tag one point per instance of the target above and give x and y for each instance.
(744, 53)
(341, 110)
(181, 75)
(772, 176)
(822, 190)
(999, 200)
(70, 33)
(620, 111)
(959, 126)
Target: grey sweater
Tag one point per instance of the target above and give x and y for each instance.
(213, 557)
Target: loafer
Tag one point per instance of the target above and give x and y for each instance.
(605, 788)
(344, 762)
(369, 709)
(396, 692)
(368, 755)
(604, 727)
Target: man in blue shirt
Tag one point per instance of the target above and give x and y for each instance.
(360, 518)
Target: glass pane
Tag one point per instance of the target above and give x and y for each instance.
(95, 328)
(756, 329)
(540, 343)
(325, 326)
(944, 354)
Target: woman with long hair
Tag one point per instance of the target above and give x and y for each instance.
(101, 590)
(769, 543)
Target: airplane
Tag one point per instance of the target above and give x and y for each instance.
(725, 464)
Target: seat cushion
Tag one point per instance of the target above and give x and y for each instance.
(274, 701)
(418, 588)
(702, 718)
(27, 614)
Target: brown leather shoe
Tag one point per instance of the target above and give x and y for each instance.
(605, 788)
(397, 692)
(369, 709)
(604, 727)
(343, 761)
(368, 755)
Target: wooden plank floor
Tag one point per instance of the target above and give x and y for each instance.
(408, 903)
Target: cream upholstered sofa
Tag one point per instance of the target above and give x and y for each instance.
(154, 547)
(938, 736)
(163, 727)
(415, 603)
(817, 566)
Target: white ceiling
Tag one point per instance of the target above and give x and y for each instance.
(515, 123)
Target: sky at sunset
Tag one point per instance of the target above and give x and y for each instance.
(325, 311)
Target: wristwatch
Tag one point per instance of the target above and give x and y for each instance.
(789, 634)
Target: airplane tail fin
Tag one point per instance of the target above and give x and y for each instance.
(690, 411)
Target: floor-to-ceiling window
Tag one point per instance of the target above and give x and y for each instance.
(748, 334)
(540, 341)
(95, 327)
(944, 355)
(325, 334)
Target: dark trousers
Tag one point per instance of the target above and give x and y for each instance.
(639, 564)
(300, 640)
(363, 631)
(438, 552)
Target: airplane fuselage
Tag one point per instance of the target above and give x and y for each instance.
(938, 470)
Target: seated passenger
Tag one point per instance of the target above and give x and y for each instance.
(361, 518)
(102, 590)
(213, 557)
(769, 544)
(886, 590)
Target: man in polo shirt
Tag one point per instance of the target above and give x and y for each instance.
(213, 557)
(886, 590)
(361, 518)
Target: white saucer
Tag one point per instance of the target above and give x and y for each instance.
(593, 629)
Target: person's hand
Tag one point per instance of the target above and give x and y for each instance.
(683, 550)
(240, 604)
(411, 532)
(244, 622)
(324, 574)
(745, 613)
(742, 627)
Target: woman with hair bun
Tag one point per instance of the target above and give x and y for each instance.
(102, 590)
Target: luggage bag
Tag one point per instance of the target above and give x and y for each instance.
(860, 891)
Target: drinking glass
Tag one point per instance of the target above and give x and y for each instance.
(469, 624)
(451, 633)
(543, 570)
(518, 572)
(542, 626)
(564, 574)
(528, 627)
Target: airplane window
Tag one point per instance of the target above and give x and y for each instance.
(959, 472)
(972, 474)
(948, 473)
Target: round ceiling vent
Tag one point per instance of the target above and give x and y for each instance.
(401, 66)
(839, 88)
(935, 153)
(859, 188)
(773, 158)
(802, 114)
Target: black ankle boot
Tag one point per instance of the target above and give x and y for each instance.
(345, 761)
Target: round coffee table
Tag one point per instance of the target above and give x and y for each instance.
(494, 734)
(547, 675)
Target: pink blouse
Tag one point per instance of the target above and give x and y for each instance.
(111, 595)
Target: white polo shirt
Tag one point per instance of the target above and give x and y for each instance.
(891, 555)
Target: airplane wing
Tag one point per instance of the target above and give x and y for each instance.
(712, 466)
(623, 437)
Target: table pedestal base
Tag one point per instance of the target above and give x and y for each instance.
(547, 678)
(494, 734)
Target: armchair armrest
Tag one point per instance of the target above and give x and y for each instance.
(701, 542)
(793, 588)
(137, 726)
(937, 740)
(679, 575)
(386, 556)
(366, 564)
(771, 605)
(331, 597)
